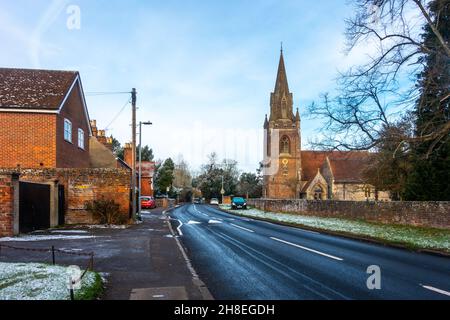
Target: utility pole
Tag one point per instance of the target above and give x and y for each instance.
(133, 156)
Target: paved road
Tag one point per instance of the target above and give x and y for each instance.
(240, 258)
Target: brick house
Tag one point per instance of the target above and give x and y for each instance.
(47, 144)
(148, 171)
(44, 121)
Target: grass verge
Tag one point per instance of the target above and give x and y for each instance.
(410, 237)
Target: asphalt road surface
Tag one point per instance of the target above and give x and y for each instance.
(241, 258)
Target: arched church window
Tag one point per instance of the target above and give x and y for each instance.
(318, 193)
(285, 145)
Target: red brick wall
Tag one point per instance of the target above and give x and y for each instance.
(69, 155)
(147, 186)
(6, 205)
(27, 140)
(83, 185)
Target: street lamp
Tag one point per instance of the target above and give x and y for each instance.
(148, 123)
(222, 191)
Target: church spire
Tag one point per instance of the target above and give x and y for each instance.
(281, 85)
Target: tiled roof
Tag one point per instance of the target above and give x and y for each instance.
(34, 89)
(346, 166)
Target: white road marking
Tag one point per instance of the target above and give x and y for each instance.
(214, 222)
(307, 249)
(179, 228)
(242, 228)
(446, 293)
(194, 222)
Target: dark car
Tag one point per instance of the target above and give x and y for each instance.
(148, 203)
(238, 203)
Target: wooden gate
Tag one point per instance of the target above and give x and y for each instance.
(34, 207)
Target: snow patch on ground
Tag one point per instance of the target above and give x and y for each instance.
(30, 238)
(409, 235)
(35, 281)
(106, 226)
(69, 231)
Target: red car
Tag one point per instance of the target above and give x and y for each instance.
(148, 203)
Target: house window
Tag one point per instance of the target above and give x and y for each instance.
(285, 145)
(81, 138)
(67, 130)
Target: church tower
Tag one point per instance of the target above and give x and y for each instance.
(282, 142)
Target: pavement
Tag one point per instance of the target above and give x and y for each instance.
(142, 262)
(241, 258)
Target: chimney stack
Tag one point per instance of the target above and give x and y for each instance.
(128, 153)
(94, 128)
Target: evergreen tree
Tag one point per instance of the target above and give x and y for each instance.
(164, 176)
(147, 153)
(430, 176)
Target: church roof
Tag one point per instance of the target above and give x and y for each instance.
(346, 166)
(282, 83)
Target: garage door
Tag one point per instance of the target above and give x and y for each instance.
(34, 207)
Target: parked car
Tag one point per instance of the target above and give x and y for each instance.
(148, 203)
(214, 202)
(238, 203)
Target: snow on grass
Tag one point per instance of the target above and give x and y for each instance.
(409, 236)
(30, 238)
(36, 281)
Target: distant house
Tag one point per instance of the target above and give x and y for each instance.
(147, 171)
(44, 121)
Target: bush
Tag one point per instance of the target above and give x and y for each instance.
(105, 211)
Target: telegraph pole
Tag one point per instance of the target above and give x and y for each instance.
(133, 156)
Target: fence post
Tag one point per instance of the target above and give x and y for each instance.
(72, 296)
(92, 262)
(53, 255)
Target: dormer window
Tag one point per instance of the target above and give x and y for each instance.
(81, 139)
(67, 130)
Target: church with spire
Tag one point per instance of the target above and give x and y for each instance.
(293, 173)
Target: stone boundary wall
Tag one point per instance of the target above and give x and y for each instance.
(81, 186)
(426, 214)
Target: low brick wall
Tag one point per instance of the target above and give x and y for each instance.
(81, 186)
(426, 214)
(84, 185)
(7, 205)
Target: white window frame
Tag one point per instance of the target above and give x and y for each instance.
(68, 130)
(81, 138)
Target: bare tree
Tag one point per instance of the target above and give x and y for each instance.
(369, 99)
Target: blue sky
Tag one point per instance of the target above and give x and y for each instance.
(204, 70)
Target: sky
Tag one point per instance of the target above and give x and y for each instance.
(203, 70)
